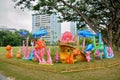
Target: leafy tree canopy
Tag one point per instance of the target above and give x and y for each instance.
(100, 15)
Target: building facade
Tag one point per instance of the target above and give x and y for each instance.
(49, 22)
(73, 28)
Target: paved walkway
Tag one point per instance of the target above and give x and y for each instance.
(3, 77)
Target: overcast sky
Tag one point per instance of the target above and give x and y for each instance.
(65, 27)
(18, 19)
(15, 18)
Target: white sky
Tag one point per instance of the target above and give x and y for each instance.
(65, 26)
(18, 19)
(14, 18)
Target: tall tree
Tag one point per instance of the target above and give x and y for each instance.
(100, 15)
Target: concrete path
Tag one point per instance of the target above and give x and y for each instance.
(3, 77)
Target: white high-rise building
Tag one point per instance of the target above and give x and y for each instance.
(50, 22)
(73, 28)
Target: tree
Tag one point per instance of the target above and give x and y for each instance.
(11, 38)
(2, 34)
(100, 15)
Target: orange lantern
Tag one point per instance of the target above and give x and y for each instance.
(18, 55)
(9, 54)
(8, 48)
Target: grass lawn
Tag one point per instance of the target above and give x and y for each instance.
(19, 69)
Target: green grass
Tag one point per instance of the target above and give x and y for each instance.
(29, 70)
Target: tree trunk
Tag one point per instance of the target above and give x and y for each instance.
(118, 45)
(117, 36)
(118, 48)
(109, 40)
(110, 31)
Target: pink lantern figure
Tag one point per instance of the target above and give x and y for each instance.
(56, 57)
(42, 56)
(97, 54)
(37, 57)
(88, 56)
(110, 52)
(26, 49)
(49, 60)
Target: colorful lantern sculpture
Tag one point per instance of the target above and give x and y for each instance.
(18, 54)
(9, 49)
(67, 37)
(88, 50)
(85, 34)
(23, 33)
(69, 54)
(40, 32)
(56, 56)
(26, 49)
